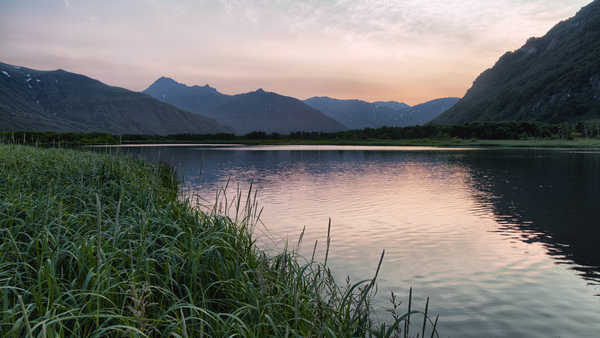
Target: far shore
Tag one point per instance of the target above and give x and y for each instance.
(454, 142)
(368, 137)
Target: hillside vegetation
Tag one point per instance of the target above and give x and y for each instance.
(552, 79)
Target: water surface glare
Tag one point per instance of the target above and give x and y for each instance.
(502, 241)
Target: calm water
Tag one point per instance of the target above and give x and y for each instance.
(503, 241)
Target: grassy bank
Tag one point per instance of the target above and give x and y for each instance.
(94, 245)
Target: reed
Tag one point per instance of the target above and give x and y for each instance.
(99, 245)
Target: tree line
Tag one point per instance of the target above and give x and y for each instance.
(475, 130)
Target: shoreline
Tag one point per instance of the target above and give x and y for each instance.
(100, 244)
(458, 143)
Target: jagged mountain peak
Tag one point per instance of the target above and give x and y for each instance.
(257, 110)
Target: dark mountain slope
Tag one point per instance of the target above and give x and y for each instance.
(425, 112)
(552, 79)
(63, 101)
(271, 112)
(196, 99)
(255, 111)
(357, 114)
(354, 114)
(391, 104)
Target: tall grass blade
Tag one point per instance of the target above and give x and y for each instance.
(425, 317)
(328, 242)
(435, 326)
(407, 323)
(25, 317)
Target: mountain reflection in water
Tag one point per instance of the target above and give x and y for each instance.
(544, 196)
(499, 239)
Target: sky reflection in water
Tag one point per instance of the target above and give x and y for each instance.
(501, 240)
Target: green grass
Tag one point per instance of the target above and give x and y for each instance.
(98, 245)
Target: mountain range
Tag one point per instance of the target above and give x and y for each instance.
(552, 79)
(63, 101)
(555, 78)
(357, 114)
(253, 111)
(68, 102)
(272, 112)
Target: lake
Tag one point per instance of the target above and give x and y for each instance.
(503, 241)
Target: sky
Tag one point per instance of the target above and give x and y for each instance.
(403, 50)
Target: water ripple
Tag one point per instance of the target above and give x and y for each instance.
(489, 235)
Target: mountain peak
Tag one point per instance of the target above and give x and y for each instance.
(391, 104)
(208, 88)
(257, 110)
(166, 81)
(163, 85)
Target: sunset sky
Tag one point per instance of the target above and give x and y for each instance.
(405, 50)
